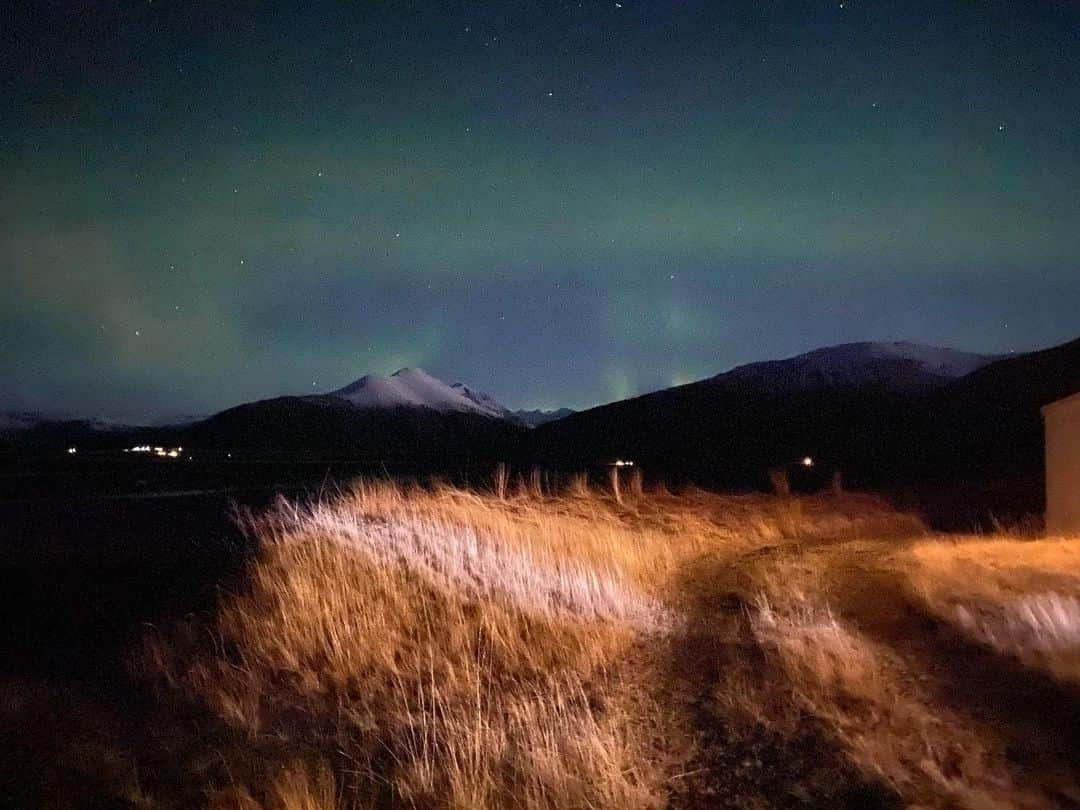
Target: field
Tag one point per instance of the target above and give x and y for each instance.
(388, 645)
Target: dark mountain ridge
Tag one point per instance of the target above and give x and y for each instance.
(325, 426)
(883, 415)
(730, 430)
(900, 366)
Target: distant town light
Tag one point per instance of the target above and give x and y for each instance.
(623, 463)
(160, 452)
(807, 461)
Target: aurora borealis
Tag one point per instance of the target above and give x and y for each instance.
(558, 203)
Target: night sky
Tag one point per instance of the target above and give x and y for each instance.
(558, 203)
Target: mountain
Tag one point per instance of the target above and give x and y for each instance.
(885, 415)
(415, 388)
(898, 366)
(537, 417)
(988, 423)
(839, 406)
(485, 402)
(32, 431)
(332, 427)
(409, 417)
(29, 421)
(20, 420)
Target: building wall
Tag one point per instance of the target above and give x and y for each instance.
(1062, 420)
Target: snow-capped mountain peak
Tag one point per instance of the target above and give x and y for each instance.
(483, 401)
(943, 362)
(899, 365)
(415, 388)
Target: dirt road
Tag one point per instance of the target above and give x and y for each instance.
(1032, 721)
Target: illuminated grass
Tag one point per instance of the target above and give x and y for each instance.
(435, 647)
(1020, 597)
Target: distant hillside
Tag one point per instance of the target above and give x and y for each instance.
(324, 426)
(988, 423)
(409, 416)
(883, 414)
(900, 366)
(730, 429)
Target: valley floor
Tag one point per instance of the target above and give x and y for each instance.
(390, 646)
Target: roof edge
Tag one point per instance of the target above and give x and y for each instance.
(1071, 399)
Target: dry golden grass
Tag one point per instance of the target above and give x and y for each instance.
(888, 726)
(435, 647)
(1019, 596)
(296, 785)
(841, 630)
(462, 649)
(455, 649)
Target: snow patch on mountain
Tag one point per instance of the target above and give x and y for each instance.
(415, 388)
(944, 362)
(484, 401)
(537, 417)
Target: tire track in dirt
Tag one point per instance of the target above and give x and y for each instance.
(735, 761)
(1033, 719)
